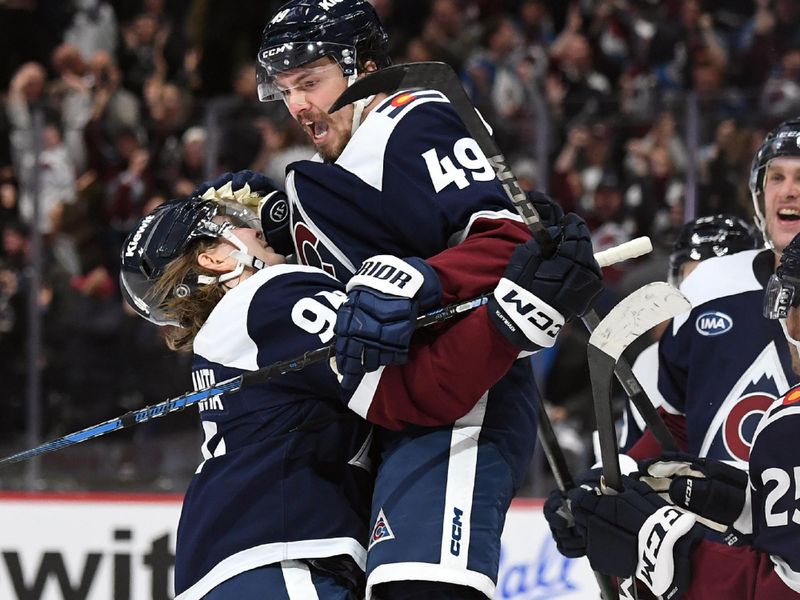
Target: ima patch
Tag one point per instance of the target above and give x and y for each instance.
(381, 532)
(713, 323)
(792, 396)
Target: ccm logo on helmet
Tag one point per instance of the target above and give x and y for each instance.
(713, 323)
(134, 243)
(270, 52)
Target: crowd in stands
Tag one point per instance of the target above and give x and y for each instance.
(620, 109)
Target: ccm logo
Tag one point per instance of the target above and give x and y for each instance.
(713, 323)
(455, 536)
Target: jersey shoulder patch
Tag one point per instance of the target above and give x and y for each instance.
(365, 153)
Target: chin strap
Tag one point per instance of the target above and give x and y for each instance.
(243, 259)
(789, 338)
(358, 105)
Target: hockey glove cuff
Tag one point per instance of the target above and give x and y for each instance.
(717, 492)
(374, 326)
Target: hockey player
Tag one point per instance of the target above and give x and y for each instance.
(698, 240)
(400, 176)
(724, 333)
(280, 506)
(666, 547)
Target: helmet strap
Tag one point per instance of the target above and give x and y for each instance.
(358, 105)
(243, 259)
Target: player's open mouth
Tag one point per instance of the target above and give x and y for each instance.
(789, 214)
(316, 129)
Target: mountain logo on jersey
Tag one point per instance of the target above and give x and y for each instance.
(713, 323)
(733, 425)
(381, 532)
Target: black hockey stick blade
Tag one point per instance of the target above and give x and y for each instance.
(142, 415)
(392, 79)
(628, 320)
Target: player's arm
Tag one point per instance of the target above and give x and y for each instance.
(446, 372)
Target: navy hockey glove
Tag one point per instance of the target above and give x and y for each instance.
(549, 212)
(635, 532)
(375, 324)
(709, 488)
(260, 193)
(537, 295)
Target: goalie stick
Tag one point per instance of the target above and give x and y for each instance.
(441, 77)
(142, 415)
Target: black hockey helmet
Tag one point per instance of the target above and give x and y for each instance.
(166, 234)
(706, 237)
(783, 289)
(303, 31)
(784, 140)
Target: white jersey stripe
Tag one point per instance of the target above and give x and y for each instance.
(461, 471)
(297, 577)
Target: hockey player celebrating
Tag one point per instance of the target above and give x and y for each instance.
(664, 546)
(698, 240)
(725, 334)
(280, 505)
(401, 178)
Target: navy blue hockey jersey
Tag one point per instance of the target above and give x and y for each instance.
(775, 487)
(285, 471)
(286, 465)
(413, 182)
(723, 364)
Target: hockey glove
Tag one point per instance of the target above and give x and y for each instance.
(549, 212)
(375, 324)
(537, 295)
(260, 193)
(635, 532)
(711, 489)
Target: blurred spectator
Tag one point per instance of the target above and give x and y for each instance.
(662, 134)
(93, 28)
(655, 198)
(71, 95)
(780, 98)
(142, 54)
(580, 165)
(724, 172)
(491, 80)
(191, 168)
(577, 92)
(773, 29)
(449, 33)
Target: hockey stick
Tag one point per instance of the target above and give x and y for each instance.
(441, 77)
(633, 316)
(142, 415)
(629, 319)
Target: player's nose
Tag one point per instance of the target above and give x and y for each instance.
(295, 101)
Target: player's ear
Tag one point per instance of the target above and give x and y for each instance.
(370, 66)
(213, 260)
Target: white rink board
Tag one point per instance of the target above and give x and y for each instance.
(107, 546)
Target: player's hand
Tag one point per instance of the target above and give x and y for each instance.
(709, 488)
(375, 324)
(259, 193)
(635, 532)
(537, 295)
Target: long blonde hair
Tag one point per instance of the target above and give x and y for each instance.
(190, 310)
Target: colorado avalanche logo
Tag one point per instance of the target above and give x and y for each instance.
(730, 433)
(381, 532)
(308, 246)
(713, 323)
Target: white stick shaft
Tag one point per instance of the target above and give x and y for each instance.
(631, 249)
